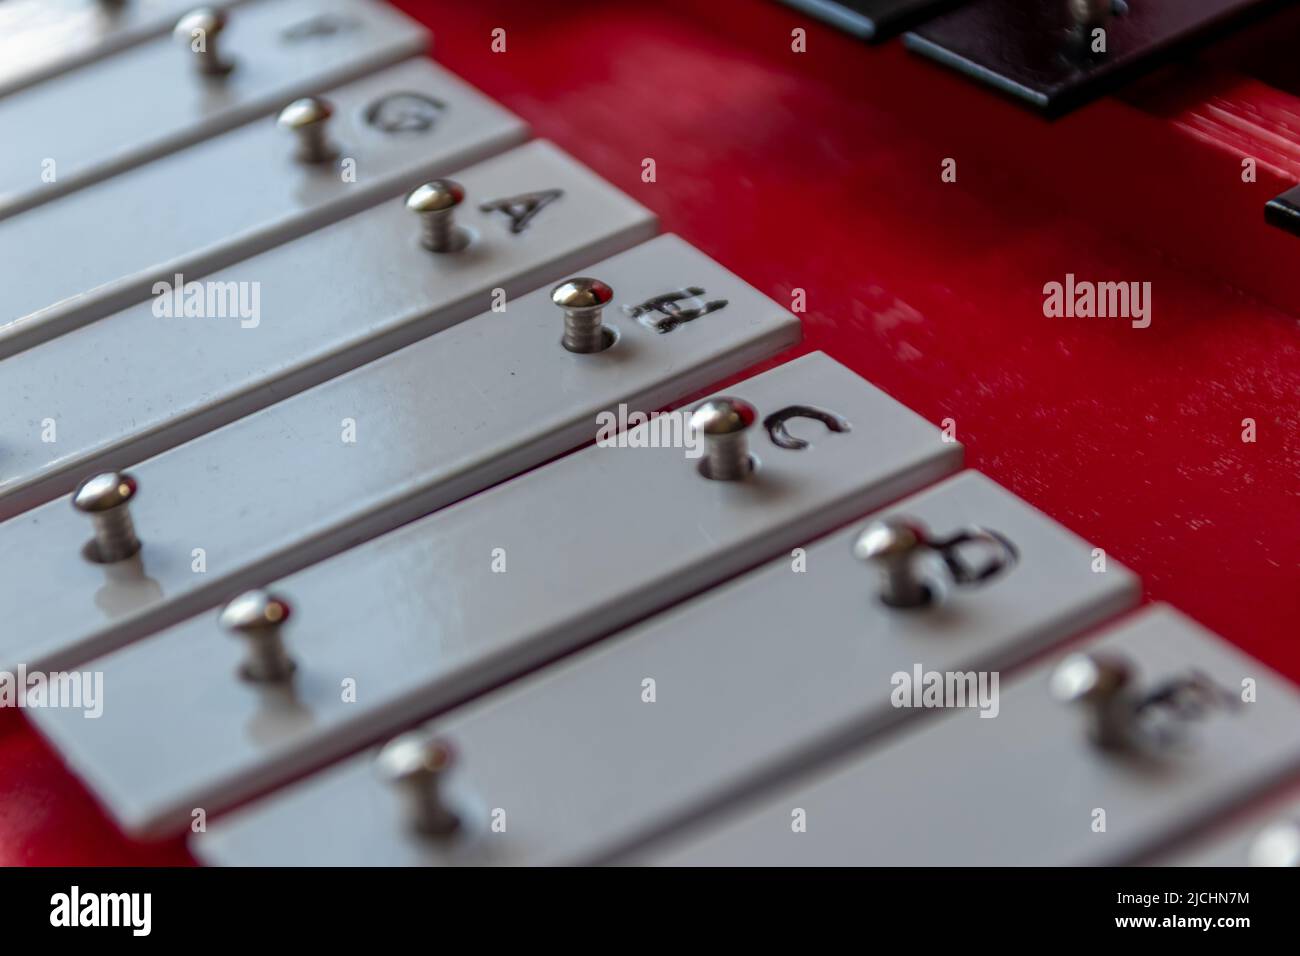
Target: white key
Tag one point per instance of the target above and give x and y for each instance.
(43, 38)
(1029, 788)
(98, 250)
(751, 681)
(158, 380)
(425, 617)
(434, 422)
(151, 100)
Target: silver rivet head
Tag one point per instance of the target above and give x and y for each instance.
(894, 546)
(583, 299)
(415, 755)
(888, 540)
(437, 196)
(104, 492)
(1090, 677)
(254, 612)
(582, 292)
(1277, 845)
(1088, 13)
(208, 20)
(1103, 685)
(435, 203)
(308, 119)
(723, 416)
(306, 112)
(416, 764)
(257, 617)
(105, 498)
(725, 424)
(199, 30)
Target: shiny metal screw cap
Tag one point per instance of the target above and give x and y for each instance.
(583, 299)
(1104, 685)
(894, 545)
(1089, 13)
(106, 498)
(889, 539)
(257, 617)
(1089, 677)
(1277, 845)
(440, 195)
(725, 424)
(435, 203)
(308, 119)
(199, 30)
(416, 765)
(104, 492)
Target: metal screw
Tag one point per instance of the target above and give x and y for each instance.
(1088, 13)
(308, 119)
(1278, 845)
(204, 25)
(257, 616)
(724, 423)
(435, 202)
(106, 499)
(582, 299)
(417, 765)
(894, 546)
(1103, 684)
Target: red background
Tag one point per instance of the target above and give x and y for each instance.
(820, 171)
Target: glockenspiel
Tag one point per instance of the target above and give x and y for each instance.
(639, 436)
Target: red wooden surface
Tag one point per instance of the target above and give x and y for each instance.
(820, 171)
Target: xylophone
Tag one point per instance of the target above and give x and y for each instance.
(667, 434)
